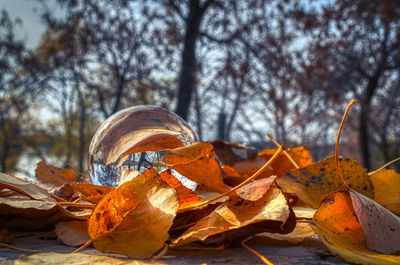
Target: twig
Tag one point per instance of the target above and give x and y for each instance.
(337, 145)
(255, 252)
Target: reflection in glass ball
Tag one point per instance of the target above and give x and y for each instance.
(135, 138)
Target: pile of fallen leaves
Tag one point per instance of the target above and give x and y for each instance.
(279, 194)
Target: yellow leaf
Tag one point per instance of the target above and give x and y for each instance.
(314, 181)
(197, 163)
(386, 184)
(134, 219)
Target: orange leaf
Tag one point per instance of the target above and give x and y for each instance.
(356, 228)
(301, 155)
(186, 196)
(197, 163)
(54, 175)
(91, 193)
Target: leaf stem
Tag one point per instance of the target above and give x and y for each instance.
(339, 172)
(385, 165)
(256, 174)
(284, 151)
(255, 252)
(79, 205)
(83, 246)
(4, 245)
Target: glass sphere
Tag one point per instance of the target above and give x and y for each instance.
(135, 138)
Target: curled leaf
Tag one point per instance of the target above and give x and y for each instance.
(237, 218)
(358, 228)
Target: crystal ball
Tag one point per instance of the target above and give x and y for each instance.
(135, 138)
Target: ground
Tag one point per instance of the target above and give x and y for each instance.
(310, 251)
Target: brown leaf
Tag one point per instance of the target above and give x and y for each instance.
(314, 181)
(73, 233)
(197, 163)
(237, 218)
(134, 219)
(24, 187)
(54, 175)
(230, 153)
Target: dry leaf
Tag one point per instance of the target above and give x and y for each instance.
(232, 177)
(230, 153)
(281, 165)
(197, 163)
(249, 166)
(91, 193)
(386, 184)
(29, 208)
(134, 219)
(300, 232)
(314, 181)
(64, 191)
(186, 196)
(356, 227)
(237, 218)
(53, 258)
(73, 233)
(55, 175)
(255, 189)
(5, 236)
(24, 187)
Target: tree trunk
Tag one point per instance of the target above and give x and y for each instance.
(364, 117)
(187, 73)
(82, 124)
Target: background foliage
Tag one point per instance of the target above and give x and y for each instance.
(235, 70)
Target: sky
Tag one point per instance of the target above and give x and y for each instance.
(31, 30)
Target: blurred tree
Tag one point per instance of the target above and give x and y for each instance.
(354, 50)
